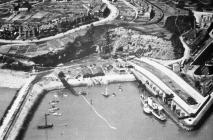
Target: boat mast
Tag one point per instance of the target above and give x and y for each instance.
(106, 90)
(46, 119)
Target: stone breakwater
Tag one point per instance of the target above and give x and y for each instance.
(31, 94)
(15, 108)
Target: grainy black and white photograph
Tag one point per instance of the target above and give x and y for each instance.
(106, 69)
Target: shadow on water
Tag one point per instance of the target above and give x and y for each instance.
(206, 116)
(197, 130)
(30, 116)
(7, 109)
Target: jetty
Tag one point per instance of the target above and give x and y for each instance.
(61, 76)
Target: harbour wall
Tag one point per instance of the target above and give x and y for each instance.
(12, 112)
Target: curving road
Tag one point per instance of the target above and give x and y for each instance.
(133, 7)
(113, 14)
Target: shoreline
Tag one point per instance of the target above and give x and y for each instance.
(12, 79)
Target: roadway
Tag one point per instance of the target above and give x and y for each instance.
(133, 7)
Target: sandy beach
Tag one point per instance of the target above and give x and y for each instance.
(12, 79)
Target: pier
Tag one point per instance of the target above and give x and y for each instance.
(186, 103)
(14, 112)
(61, 76)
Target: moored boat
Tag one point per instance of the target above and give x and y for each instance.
(156, 109)
(46, 125)
(83, 93)
(57, 114)
(146, 107)
(53, 109)
(54, 102)
(106, 94)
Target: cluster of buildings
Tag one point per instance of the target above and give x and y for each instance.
(144, 9)
(8, 31)
(200, 41)
(182, 101)
(203, 19)
(18, 29)
(92, 71)
(21, 5)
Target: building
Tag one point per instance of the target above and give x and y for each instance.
(203, 19)
(86, 72)
(183, 100)
(21, 6)
(97, 71)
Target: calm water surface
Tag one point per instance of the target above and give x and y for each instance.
(6, 96)
(123, 112)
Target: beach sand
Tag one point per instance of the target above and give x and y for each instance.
(12, 79)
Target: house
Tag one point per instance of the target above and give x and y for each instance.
(203, 19)
(86, 72)
(97, 71)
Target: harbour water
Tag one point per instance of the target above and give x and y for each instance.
(6, 96)
(95, 117)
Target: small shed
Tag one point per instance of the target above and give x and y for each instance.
(98, 71)
(86, 72)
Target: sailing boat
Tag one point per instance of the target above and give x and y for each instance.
(45, 126)
(105, 94)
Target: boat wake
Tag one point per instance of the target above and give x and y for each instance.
(99, 115)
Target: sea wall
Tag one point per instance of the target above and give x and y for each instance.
(15, 108)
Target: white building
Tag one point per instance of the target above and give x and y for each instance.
(203, 19)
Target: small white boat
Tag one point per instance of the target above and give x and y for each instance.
(146, 107)
(54, 109)
(65, 95)
(56, 96)
(120, 88)
(57, 114)
(106, 94)
(54, 102)
(83, 93)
